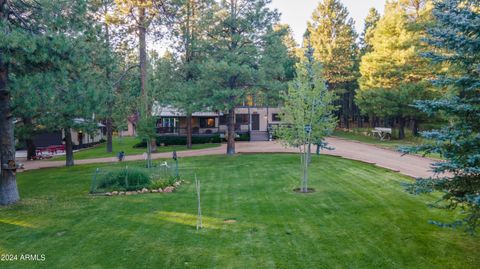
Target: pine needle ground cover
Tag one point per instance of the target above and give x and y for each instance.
(359, 217)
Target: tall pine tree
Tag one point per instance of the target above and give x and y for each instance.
(236, 47)
(394, 74)
(366, 37)
(455, 38)
(333, 37)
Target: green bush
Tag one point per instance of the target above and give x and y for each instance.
(181, 140)
(162, 183)
(124, 179)
(243, 137)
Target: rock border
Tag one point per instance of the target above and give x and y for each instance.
(168, 189)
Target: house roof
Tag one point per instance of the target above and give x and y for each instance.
(170, 111)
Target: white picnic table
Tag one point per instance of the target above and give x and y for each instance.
(382, 133)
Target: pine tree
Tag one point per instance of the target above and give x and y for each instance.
(142, 18)
(333, 37)
(307, 113)
(29, 52)
(191, 24)
(79, 89)
(394, 74)
(366, 37)
(276, 66)
(236, 46)
(455, 38)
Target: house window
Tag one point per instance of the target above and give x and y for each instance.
(241, 119)
(167, 122)
(207, 122)
(276, 117)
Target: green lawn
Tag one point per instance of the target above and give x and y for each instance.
(126, 144)
(360, 217)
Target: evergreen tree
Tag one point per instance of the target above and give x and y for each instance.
(236, 46)
(142, 18)
(35, 48)
(78, 90)
(333, 37)
(455, 38)
(277, 65)
(191, 24)
(394, 74)
(366, 37)
(307, 111)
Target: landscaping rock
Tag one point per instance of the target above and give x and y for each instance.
(121, 193)
(154, 191)
(145, 190)
(169, 189)
(108, 194)
(160, 190)
(177, 183)
(114, 192)
(128, 193)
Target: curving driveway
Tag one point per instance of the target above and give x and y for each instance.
(410, 165)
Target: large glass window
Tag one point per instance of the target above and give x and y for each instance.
(207, 122)
(241, 119)
(168, 122)
(275, 117)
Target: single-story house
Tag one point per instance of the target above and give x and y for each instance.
(80, 138)
(257, 121)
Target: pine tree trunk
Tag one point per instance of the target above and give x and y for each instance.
(68, 147)
(415, 127)
(8, 183)
(142, 33)
(231, 132)
(189, 131)
(143, 57)
(401, 128)
(109, 128)
(346, 110)
(31, 149)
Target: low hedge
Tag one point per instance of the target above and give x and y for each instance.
(243, 137)
(181, 140)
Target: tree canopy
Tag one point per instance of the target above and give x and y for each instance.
(455, 41)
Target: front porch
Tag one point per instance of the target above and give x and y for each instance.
(178, 125)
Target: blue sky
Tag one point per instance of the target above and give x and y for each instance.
(296, 13)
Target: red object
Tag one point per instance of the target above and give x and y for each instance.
(40, 151)
(60, 148)
(50, 150)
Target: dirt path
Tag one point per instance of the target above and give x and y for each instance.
(409, 165)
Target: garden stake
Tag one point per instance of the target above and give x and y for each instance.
(199, 217)
(94, 181)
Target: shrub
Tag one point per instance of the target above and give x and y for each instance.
(162, 183)
(243, 137)
(124, 179)
(181, 140)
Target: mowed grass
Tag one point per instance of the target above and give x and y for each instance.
(125, 144)
(359, 217)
